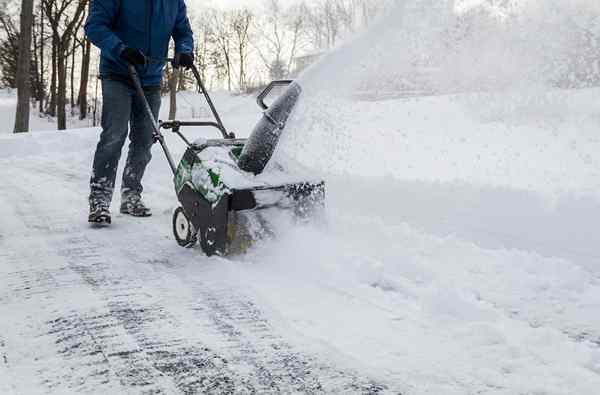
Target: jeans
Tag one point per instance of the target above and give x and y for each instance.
(122, 107)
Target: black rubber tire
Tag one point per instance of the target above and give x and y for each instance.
(183, 230)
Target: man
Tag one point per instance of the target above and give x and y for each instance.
(135, 32)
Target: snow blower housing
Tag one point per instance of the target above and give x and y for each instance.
(216, 180)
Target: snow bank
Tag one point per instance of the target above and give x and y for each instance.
(438, 315)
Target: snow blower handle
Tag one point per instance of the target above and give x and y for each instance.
(213, 109)
(201, 89)
(260, 99)
(156, 134)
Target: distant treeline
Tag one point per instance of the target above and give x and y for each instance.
(237, 49)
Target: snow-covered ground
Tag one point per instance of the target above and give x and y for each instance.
(417, 282)
(458, 254)
(37, 123)
(190, 106)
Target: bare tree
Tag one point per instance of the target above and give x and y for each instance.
(326, 21)
(202, 48)
(271, 39)
(82, 99)
(65, 18)
(42, 39)
(72, 74)
(95, 111)
(38, 79)
(9, 51)
(229, 43)
(221, 38)
(173, 79)
(23, 68)
(296, 24)
(51, 102)
(279, 35)
(241, 23)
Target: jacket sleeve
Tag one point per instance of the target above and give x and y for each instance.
(99, 24)
(182, 33)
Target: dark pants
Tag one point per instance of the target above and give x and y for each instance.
(122, 107)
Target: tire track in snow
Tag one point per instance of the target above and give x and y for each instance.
(279, 366)
(128, 336)
(95, 341)
(51, 338)
(35, 299)
(3, 353)
(6, 384)
(249, 343)
(148, 357)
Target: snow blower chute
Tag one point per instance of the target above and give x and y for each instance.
(222, 184)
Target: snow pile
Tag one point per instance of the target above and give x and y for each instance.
(438, 315)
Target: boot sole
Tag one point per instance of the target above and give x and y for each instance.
(139, 215)
(100, 221)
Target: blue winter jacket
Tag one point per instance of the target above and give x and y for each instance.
(147, 25)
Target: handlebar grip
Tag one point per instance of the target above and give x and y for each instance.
(260, 99)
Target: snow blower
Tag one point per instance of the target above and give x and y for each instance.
(222, 184)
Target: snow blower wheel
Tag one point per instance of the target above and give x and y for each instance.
(183, 229)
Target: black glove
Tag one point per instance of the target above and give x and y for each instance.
(133, 56)
(185, 60)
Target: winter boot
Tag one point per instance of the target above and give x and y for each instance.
(99, 212)
(133, 205)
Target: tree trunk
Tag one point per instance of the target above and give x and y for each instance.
(52, 104)
(61, 94)
(228, 67)
(96, 102)
(173, 93)
(72, 104)
(83, 83)
(182, 83)
(36, 72)
(64, 27)
(42, 43)
(23, 68)
(242, 75)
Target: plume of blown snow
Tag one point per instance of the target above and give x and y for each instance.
(439, 46)
(489, 80)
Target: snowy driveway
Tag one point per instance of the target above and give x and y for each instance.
(125, 310)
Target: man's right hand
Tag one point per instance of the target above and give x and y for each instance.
(133, 56)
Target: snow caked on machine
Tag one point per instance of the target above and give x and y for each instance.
(222, 185)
